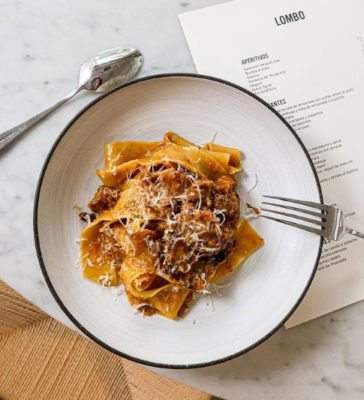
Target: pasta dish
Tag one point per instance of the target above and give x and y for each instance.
(165, 222)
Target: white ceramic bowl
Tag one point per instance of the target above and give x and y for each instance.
(263, 292)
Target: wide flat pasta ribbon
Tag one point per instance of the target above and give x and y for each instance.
(247, 241)
(95, 265)
(168, 299)
(234, 163)
(191, 158)
(119, 153)
(123, 227)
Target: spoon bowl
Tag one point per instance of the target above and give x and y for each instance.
(110, 68)
(100, 73)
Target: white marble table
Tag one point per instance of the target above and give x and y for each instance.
(42, 44)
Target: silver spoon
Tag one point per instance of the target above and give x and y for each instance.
(100, 73)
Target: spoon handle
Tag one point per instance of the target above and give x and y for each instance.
(8, 136)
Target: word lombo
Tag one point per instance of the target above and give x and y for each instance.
(293, 17)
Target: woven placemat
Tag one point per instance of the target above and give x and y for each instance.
(42, 359)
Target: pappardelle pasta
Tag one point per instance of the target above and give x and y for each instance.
(165, 222)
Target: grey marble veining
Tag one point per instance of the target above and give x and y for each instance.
(322, 359)
(42, 45)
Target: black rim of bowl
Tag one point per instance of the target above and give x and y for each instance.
(43, 267)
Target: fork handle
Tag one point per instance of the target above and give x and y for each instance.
(355, 233)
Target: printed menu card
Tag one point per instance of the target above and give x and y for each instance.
(306, 59)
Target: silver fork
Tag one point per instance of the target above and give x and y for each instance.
(330, 221)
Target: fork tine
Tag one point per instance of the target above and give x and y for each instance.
(303, 203)
(310, 220)
(302, 210)
(304, 227)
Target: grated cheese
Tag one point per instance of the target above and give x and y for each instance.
(255, 184)
(137, 306)
(105, 280)
(213, 138)
(115, 159)
(77, 264)
(216, 287)
(117, 291)
(212, 303)
(176, 198)
(88, 219)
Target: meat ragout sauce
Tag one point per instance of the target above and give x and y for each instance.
(193, 225)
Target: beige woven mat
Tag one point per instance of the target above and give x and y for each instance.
(42, 359)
